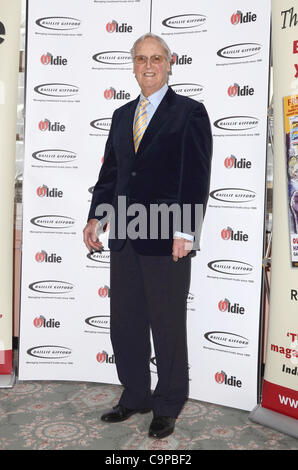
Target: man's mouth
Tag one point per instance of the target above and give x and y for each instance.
(149, 74)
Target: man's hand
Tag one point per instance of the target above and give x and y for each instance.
(181, 247)
(90, 237)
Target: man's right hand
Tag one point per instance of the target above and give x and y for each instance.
(90, 236)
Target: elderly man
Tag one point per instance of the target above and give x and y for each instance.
(158, 152)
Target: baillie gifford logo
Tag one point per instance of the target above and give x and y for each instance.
(236, 123)
(229, 234)
(53, 221)
(222, 378)
(112, 94)
(56, 156)
(113, 57)
(231, 267)
(58, 23)
(225, 305)
(188, 21)
(239, 17)
(232, 195)
(240, 51)
(114, 27)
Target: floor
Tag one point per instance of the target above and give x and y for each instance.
(66, 416)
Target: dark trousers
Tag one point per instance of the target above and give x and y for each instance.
(150, 292)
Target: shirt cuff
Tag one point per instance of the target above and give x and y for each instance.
(183, 235)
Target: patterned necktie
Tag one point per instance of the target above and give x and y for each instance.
(140, 123)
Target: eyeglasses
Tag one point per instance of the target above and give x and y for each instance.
(154, 59)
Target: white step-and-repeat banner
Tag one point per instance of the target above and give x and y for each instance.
(78, 71)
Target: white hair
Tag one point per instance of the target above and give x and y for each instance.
(152, 36)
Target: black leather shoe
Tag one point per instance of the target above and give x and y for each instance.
(119, 413)
(161, 426)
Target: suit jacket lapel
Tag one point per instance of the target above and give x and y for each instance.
(127, 125)
(160, 116)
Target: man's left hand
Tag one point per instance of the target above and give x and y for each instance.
(181, 248)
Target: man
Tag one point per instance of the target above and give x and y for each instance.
(158, 152)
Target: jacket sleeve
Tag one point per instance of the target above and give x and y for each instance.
(195, 171)
(104, 189)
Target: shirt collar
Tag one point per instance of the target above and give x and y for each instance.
(156, 97)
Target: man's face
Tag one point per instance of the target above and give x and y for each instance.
(151, 77)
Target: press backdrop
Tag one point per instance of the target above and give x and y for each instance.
(79, 71)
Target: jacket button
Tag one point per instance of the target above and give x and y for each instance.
(133, 173)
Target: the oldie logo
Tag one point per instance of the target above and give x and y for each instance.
(49, 59)
(104, 357)
(232, 381)
(185, 21)
(51, 287)
(113, 57)
(53, 221)
(44, 191)
(55, 156)
(103, 124)
(237, 90)
(44, 257)
(102, 256)
(49, 126)
(104, 292)
(233, 195)
(230, 234)
(112, 94)
(99, 321)
(115, 27)
(2, 32)
(225, 305)
(49, 352)
(57, 90)
(238, 163)
(224, 338)
(187, 89)
(183, 59)
(232, 267)
(59, 23)
(236, 123)
(240, 51)
(239, 17)
(42, 322)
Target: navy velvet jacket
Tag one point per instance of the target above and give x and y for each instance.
(172, 165)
